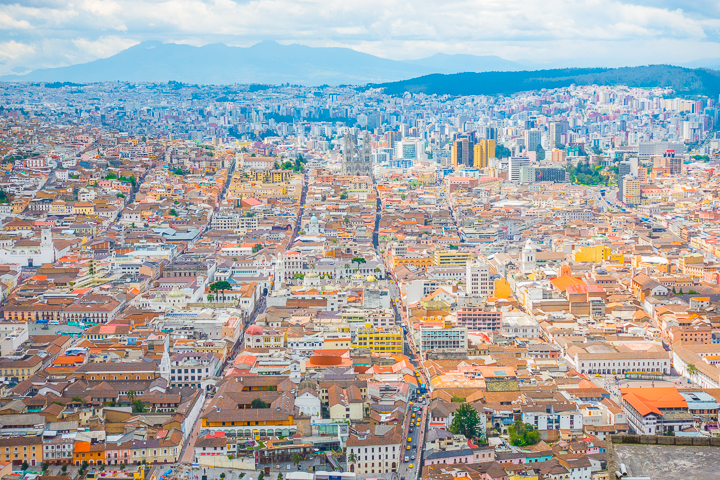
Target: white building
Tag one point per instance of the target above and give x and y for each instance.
(477, 279)
(376, 452)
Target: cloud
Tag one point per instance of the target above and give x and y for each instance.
(600, 32)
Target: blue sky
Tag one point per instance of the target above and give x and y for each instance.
(50, 33)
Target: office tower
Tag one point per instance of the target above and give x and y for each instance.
(484, 151)
(631, 190)
(558, 155)
(623, 171)
(490, 133)
(554, 135)
(391, 138)
(533, 139)
(477, 281)
(462, 152)
(514, 166)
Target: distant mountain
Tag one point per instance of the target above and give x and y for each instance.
(444, 63)
(712, 63)
(682, 80)
(266, 62)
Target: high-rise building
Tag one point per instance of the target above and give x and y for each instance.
(631, 190)
(477, 280)
(555, 132)
(558, 156)
(484, 151)
(514, 166)
(533, 139)
(462, 152)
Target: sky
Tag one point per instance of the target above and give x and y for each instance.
(51, 33)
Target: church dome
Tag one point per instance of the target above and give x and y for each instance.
(254, 330)
(370, 278)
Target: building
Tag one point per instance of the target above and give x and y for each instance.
(543, 174)
(555, 132)
(461, 153)
(476, 318)
(484, 150)
(656, 411)
(533, 139)
(594, 254)
(630, 190)
(514, 166)
(17, 450)
(445, 339)
(377, 451)
(357, 161)
(451, 257)
(477, 279)
(387, 340)
(256, 337)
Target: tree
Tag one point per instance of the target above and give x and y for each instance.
(76, 399)
(173, 212)
(261, 476)
(296, 459)
(466, 422)
(352, 458)
(358, 260)
(279, 477)
(691, 369)
(343, 196)
(540, 153)
(257, 247)
(222, 475)
(138, 406)
(501, 151)
(122, 466)
(298, 276)
(45, 466)
(523, 434)
(259, 403)
(210, 297)
(25, 465)
(456, 399)
(131, 396)
(63, 469)
(221, 285)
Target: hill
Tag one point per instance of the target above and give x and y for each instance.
(682, 80)
(265, 62)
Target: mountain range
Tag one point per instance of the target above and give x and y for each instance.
(682, 80)
(265, 62)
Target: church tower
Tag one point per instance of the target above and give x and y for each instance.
(528, 257)
(279, 279)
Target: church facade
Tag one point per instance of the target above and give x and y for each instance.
(357, 160)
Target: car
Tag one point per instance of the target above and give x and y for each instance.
(408, 447)
(411, 465)
(413, 456)
(409, 439)
(407, 459)
(413, 415)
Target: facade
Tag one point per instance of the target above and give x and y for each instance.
(477, 281)
(448, 339)
(476, 318)
(514, 166)
(630, 190)
(656, 411)
(484, 150)
(376, 452)
(357, 160)
(388, 340)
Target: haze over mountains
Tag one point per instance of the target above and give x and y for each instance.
(265, 62)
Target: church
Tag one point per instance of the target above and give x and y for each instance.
(357, 160)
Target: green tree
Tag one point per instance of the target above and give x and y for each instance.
(25, 465)
(343, 196)
(77, 399)
(466, 422)
(359, 261)
(173, 212)
(138, 406)
(279, 477)
(261, 476)
(523, 434)
(131, 396)
(63, 469)
(298, 276)
(691, 369)
(259, 403)
(540, 153)
(456, 399)
(45, 467)
(221, 285)
(296, 459)
(501, 151)
(257, 247)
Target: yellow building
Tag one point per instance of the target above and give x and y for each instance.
(484, 151)
(451, 257)
(379, 340)
(420, 261)
(595, 254)
(502, 289)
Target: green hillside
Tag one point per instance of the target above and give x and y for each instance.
(683, 80)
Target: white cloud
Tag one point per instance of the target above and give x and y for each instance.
(597, 31)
